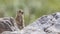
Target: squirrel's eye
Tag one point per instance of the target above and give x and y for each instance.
(19, 11)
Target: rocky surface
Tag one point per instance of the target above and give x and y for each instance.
(7, 24)
(47, 24)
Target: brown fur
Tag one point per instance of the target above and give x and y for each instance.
(19, 19)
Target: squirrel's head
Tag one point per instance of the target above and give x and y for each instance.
(20, 11)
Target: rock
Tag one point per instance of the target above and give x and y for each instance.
(7, 24)
(9, 32)
(47, 24)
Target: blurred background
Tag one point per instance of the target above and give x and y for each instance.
(33, 9)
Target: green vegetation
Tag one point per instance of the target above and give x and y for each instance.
(33, 9)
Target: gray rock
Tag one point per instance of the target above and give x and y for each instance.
(47, 24)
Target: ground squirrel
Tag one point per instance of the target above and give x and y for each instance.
(20, 19)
